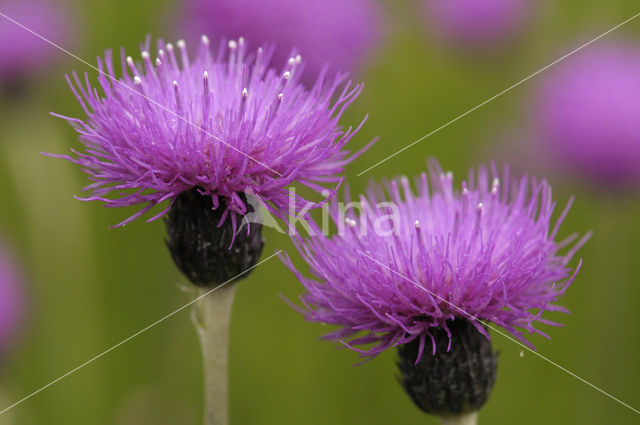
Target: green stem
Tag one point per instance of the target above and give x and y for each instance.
(212, 317)
(463, 419)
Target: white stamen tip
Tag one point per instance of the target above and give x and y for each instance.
(292, 61)
(175, 84)
(205, 39)
(417, 224)
(465, 191)
(181, 44)
(233, 44)
(241, 41)
(496, 182)
(160, 53)
(298, 58)
(350, 222)
(205, 75)
(169, 47)
(449, 175)
(521, 353)
(286, 75)
(480, 205)
(245, 93)
(129, 60)
(137, 80)
(280, 97)
(145, 55)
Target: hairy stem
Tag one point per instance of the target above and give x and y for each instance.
(212, 316)
(463, 419)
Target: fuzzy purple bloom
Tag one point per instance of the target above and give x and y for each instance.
(22, 52)
(11, 299)
(587, 110)
(487, 252)
(223, 122)
(476, 22)
(342, 33)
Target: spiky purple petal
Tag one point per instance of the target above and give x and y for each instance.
(222, 121)
(487, 252)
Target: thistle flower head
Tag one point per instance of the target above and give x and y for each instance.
(476, 22)
(222, 121)
(410, 263)
(342, 33)
(21, 51)
(587, 110)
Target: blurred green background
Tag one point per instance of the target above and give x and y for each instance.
(90, 287)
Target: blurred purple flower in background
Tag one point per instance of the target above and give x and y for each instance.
(340, 33)
(486, 252)
(223, 122)
(476, 23)
(588, 113)
(21, 52)
(11, 299)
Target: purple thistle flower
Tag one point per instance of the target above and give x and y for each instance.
(342, 33)
(400, 271)
(587, 110)
(223, 122)
(11, 299)
(476, 22)
(22, 52)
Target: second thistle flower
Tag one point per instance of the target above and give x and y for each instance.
(425, 272)
(409, 263)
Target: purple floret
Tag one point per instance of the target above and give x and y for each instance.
(487, 252)
(222, 121)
